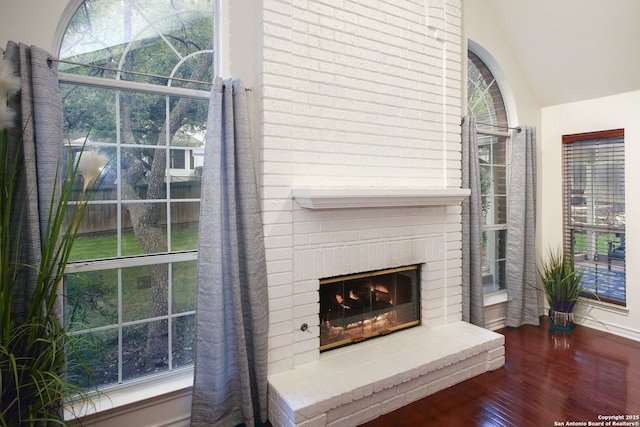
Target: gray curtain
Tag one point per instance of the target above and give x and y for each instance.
(472, 292)
(230, 382)
(39, 125)
(522, 303)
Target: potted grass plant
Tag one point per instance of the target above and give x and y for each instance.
(561, 284)
(36, 376)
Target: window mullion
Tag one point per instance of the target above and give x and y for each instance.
(92, 81)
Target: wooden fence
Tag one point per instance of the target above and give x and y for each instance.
(102, 217)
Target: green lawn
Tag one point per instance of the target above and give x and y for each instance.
(92, 297)
(92, 302)
(105, 245)
(602, 242)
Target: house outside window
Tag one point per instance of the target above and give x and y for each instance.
(129, 75)
(486, 104)
(593, 174)
(177, 159)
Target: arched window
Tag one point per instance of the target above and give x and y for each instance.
(485, 103)
(134, 79)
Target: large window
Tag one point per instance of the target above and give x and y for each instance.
(485, 103)
(594, 210)
(131, 73)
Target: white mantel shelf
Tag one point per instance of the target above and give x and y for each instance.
(350, 198)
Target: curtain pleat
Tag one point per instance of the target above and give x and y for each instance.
(522, 303)
(37, 139)
(472, 292)
(230, 381)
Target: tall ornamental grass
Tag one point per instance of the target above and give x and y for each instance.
(35, 377)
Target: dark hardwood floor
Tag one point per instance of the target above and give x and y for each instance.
(548, 380)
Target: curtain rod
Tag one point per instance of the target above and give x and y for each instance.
(137, 73)
(497, 126)
(492, 125)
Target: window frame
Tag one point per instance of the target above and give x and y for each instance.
(570, 227)
(122, 262)
(495, 257)
(174, 378)
(497, 127)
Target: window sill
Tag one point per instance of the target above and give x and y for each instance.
(495, 298)
(607, 306)
(136, 392)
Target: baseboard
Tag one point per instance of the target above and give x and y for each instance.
(495, 316)
(495, 324)
(170, 410)
(611, 328)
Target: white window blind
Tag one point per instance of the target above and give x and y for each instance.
(594, 210)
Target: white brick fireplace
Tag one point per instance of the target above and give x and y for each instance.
(343, 231)
(360, 107)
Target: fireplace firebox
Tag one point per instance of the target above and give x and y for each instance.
(360, 306)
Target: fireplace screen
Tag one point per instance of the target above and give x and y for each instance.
(360, 306)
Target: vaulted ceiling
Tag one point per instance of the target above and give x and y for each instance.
(572, 50)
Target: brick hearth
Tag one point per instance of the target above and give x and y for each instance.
(352, 385)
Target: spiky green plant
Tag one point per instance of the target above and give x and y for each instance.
(35, 375)
(561, 283)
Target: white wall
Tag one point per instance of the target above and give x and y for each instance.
(482, 27)
(613, 112)
(32, 22)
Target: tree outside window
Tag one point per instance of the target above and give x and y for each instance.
(130, 78)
